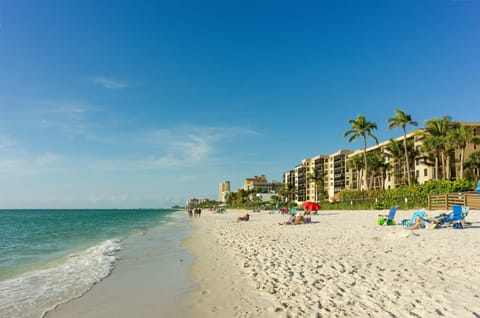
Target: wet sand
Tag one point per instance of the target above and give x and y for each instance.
(151, 279)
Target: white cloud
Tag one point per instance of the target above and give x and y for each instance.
(108, 82)
(5, 143)
(192, 144)
(16, 164)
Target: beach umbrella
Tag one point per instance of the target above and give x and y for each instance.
(311, 206)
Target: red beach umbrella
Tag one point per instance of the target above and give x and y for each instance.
(311, 206)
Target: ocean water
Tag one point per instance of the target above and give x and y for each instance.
(48, 257)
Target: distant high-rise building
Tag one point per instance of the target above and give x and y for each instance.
(223, 189)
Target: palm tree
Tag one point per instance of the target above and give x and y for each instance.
(318, 178)
(459, 137)
(287, 192)
(473, 162)
(439, 128)
(402, 120)
(356, 163)
(395, 151)
(432, 146)
(376, 162)
(361, 128)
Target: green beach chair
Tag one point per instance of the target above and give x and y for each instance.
(387, 219)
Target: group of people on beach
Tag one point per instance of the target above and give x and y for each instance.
(195, 212)
(298, 217)
(295, 217)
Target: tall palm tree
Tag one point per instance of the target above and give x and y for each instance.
(402, 120)
(356, 163)
(473, 162)
(459, 137)
(376, 162)
(439, 128)
(361, 128)
(395, 151)
(432, 146)
(318, 178)
(287, 192)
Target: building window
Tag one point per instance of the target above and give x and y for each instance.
(425, 172)
(417, 173)
(417, 162)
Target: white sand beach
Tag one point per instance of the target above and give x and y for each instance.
(341, 265)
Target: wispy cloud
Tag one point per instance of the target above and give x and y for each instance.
(176, 147)
(193, 144)
(109, 83)
(6, 142)
(16, 164)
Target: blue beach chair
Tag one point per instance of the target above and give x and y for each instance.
(457, 216)
(387, 219)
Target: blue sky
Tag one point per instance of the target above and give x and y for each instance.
(147, 103)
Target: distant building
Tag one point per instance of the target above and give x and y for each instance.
(193, 202)
(260, 184)
(223, 189)
(265, 197)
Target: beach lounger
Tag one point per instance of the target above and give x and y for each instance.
(457, 216)
(387, 219)
(454, 214)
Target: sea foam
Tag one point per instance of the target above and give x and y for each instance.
(33, 294)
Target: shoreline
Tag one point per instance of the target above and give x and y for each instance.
(343, 264)
(149, 278)
(221, 291)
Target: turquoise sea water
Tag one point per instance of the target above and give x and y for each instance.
(50, 256)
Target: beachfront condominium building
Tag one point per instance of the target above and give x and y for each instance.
(223, 189)
(316, 177)
(337, 174)
(387, 168)
(289, 177)
(260, 184)
(319, 177)
(300, 180)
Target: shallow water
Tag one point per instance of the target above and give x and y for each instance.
(48, 257)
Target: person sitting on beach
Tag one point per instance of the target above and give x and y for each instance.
(299, 219)
(246, 217)
(290, 220)
(418, 224)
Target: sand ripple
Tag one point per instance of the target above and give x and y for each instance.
(345, 265)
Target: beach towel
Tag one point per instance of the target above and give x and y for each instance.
(410, 222)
